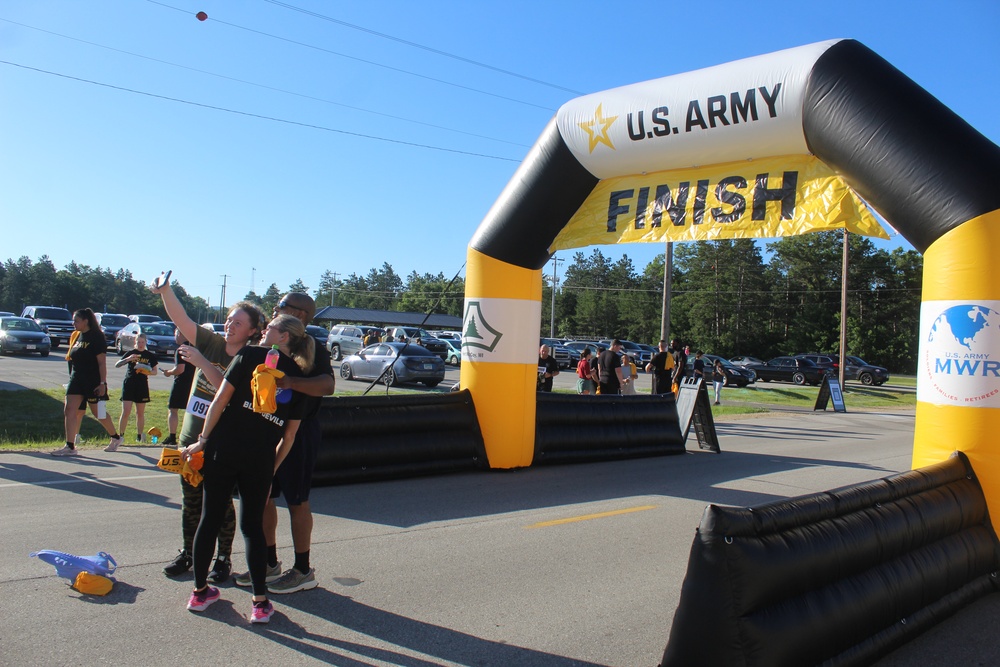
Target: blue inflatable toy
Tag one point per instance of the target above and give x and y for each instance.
(69, 566)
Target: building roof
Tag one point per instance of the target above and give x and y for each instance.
(336, 314)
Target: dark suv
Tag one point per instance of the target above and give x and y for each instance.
(111, 324)
(56, 322)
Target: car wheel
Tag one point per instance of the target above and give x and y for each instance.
(335, 352)
(389, 379)
(44, 354)
(799, 378)
(866, 378)
(345, 371)
(432, 383)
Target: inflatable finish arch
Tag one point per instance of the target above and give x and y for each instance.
(928, 172)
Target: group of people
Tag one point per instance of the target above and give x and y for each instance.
(612, 371)
(260, 455)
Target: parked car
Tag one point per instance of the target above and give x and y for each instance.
(860, 370)
(22, 334)
(453, 335)
(415, 364)
(345, 339)
(789, 369)
(743, 361)
(148, 319)
(159, 339)
(6, 313)
(638, 354)
(580, 345)
(559, 352)
(168, 324)
(56, 322)
(318, 333)
(825, 362)
(217, 327)
(111, 324)
(427, 339)
(735, 376)
(454, 357)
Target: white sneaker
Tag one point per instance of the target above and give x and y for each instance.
(65, 451)
(113, 445)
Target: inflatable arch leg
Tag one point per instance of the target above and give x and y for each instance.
(503, 306)
(961, 266)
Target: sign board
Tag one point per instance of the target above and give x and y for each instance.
(694, 408)
(830, 391)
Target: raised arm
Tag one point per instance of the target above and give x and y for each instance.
(175, 311)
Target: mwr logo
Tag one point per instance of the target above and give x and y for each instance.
(960, 356)
(476, 331)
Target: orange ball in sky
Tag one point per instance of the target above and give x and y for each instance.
(201, 16)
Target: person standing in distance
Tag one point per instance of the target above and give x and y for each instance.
(680, 364)
(548, 368)
(135, 387)
(661, 367)
(609, 370)
(294, 477)
(88, 380)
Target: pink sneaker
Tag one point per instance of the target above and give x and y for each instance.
(262, 612)
(200, 600)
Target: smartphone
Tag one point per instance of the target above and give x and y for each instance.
(162, 279)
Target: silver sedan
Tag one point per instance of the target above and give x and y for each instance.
(409, 363)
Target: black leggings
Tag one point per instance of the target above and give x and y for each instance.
(254, 483)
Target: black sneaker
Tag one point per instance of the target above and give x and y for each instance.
(179, 566)
(221, 570)
(169, 440)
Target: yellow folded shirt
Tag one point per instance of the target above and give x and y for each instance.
(265, 391)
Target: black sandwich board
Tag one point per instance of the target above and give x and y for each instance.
(694, 408)
(830, 391)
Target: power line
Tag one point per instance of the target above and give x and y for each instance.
(259, 116)
(415, 45)
(264, 86)
(360, 60)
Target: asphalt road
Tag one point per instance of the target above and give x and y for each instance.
(577, 565)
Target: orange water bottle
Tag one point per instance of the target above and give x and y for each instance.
(271, 361)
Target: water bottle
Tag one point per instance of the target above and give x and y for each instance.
(272, 357)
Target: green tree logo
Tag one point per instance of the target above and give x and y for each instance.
(472, 325)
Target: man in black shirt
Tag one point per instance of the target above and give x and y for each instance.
(548, 368)
(609, 370)
(680, 362)
(661, 366)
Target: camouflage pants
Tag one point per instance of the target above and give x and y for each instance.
(191, 516)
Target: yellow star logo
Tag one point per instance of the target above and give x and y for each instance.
(597, 129)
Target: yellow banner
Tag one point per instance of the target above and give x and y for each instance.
(765, 198)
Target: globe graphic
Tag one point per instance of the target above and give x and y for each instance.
(965, 327)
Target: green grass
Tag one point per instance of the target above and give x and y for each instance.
(32, 419)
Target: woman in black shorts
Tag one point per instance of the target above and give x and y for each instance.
(135, 387)
(243, 448)
(88, 380)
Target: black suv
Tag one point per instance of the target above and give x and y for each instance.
(55, 321)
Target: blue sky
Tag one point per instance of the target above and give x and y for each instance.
(351, 148)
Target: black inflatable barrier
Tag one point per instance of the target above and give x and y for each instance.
(837, 578)
(368, 438)
(573, 428)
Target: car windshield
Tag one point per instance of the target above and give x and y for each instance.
(114, 321)
(53, 314)
(156, 330)
(19, 324)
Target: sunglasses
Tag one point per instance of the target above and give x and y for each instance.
(284, 304)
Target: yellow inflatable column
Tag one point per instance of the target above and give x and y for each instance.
(503, 308)
(958, 381)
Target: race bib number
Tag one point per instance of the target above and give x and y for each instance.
(198, 407)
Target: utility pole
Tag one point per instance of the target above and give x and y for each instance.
(333, 288)
(253, 280)
(222, 302)
(668, 270)
(843, 314)
(555, 281)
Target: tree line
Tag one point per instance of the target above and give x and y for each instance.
(728, 297)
